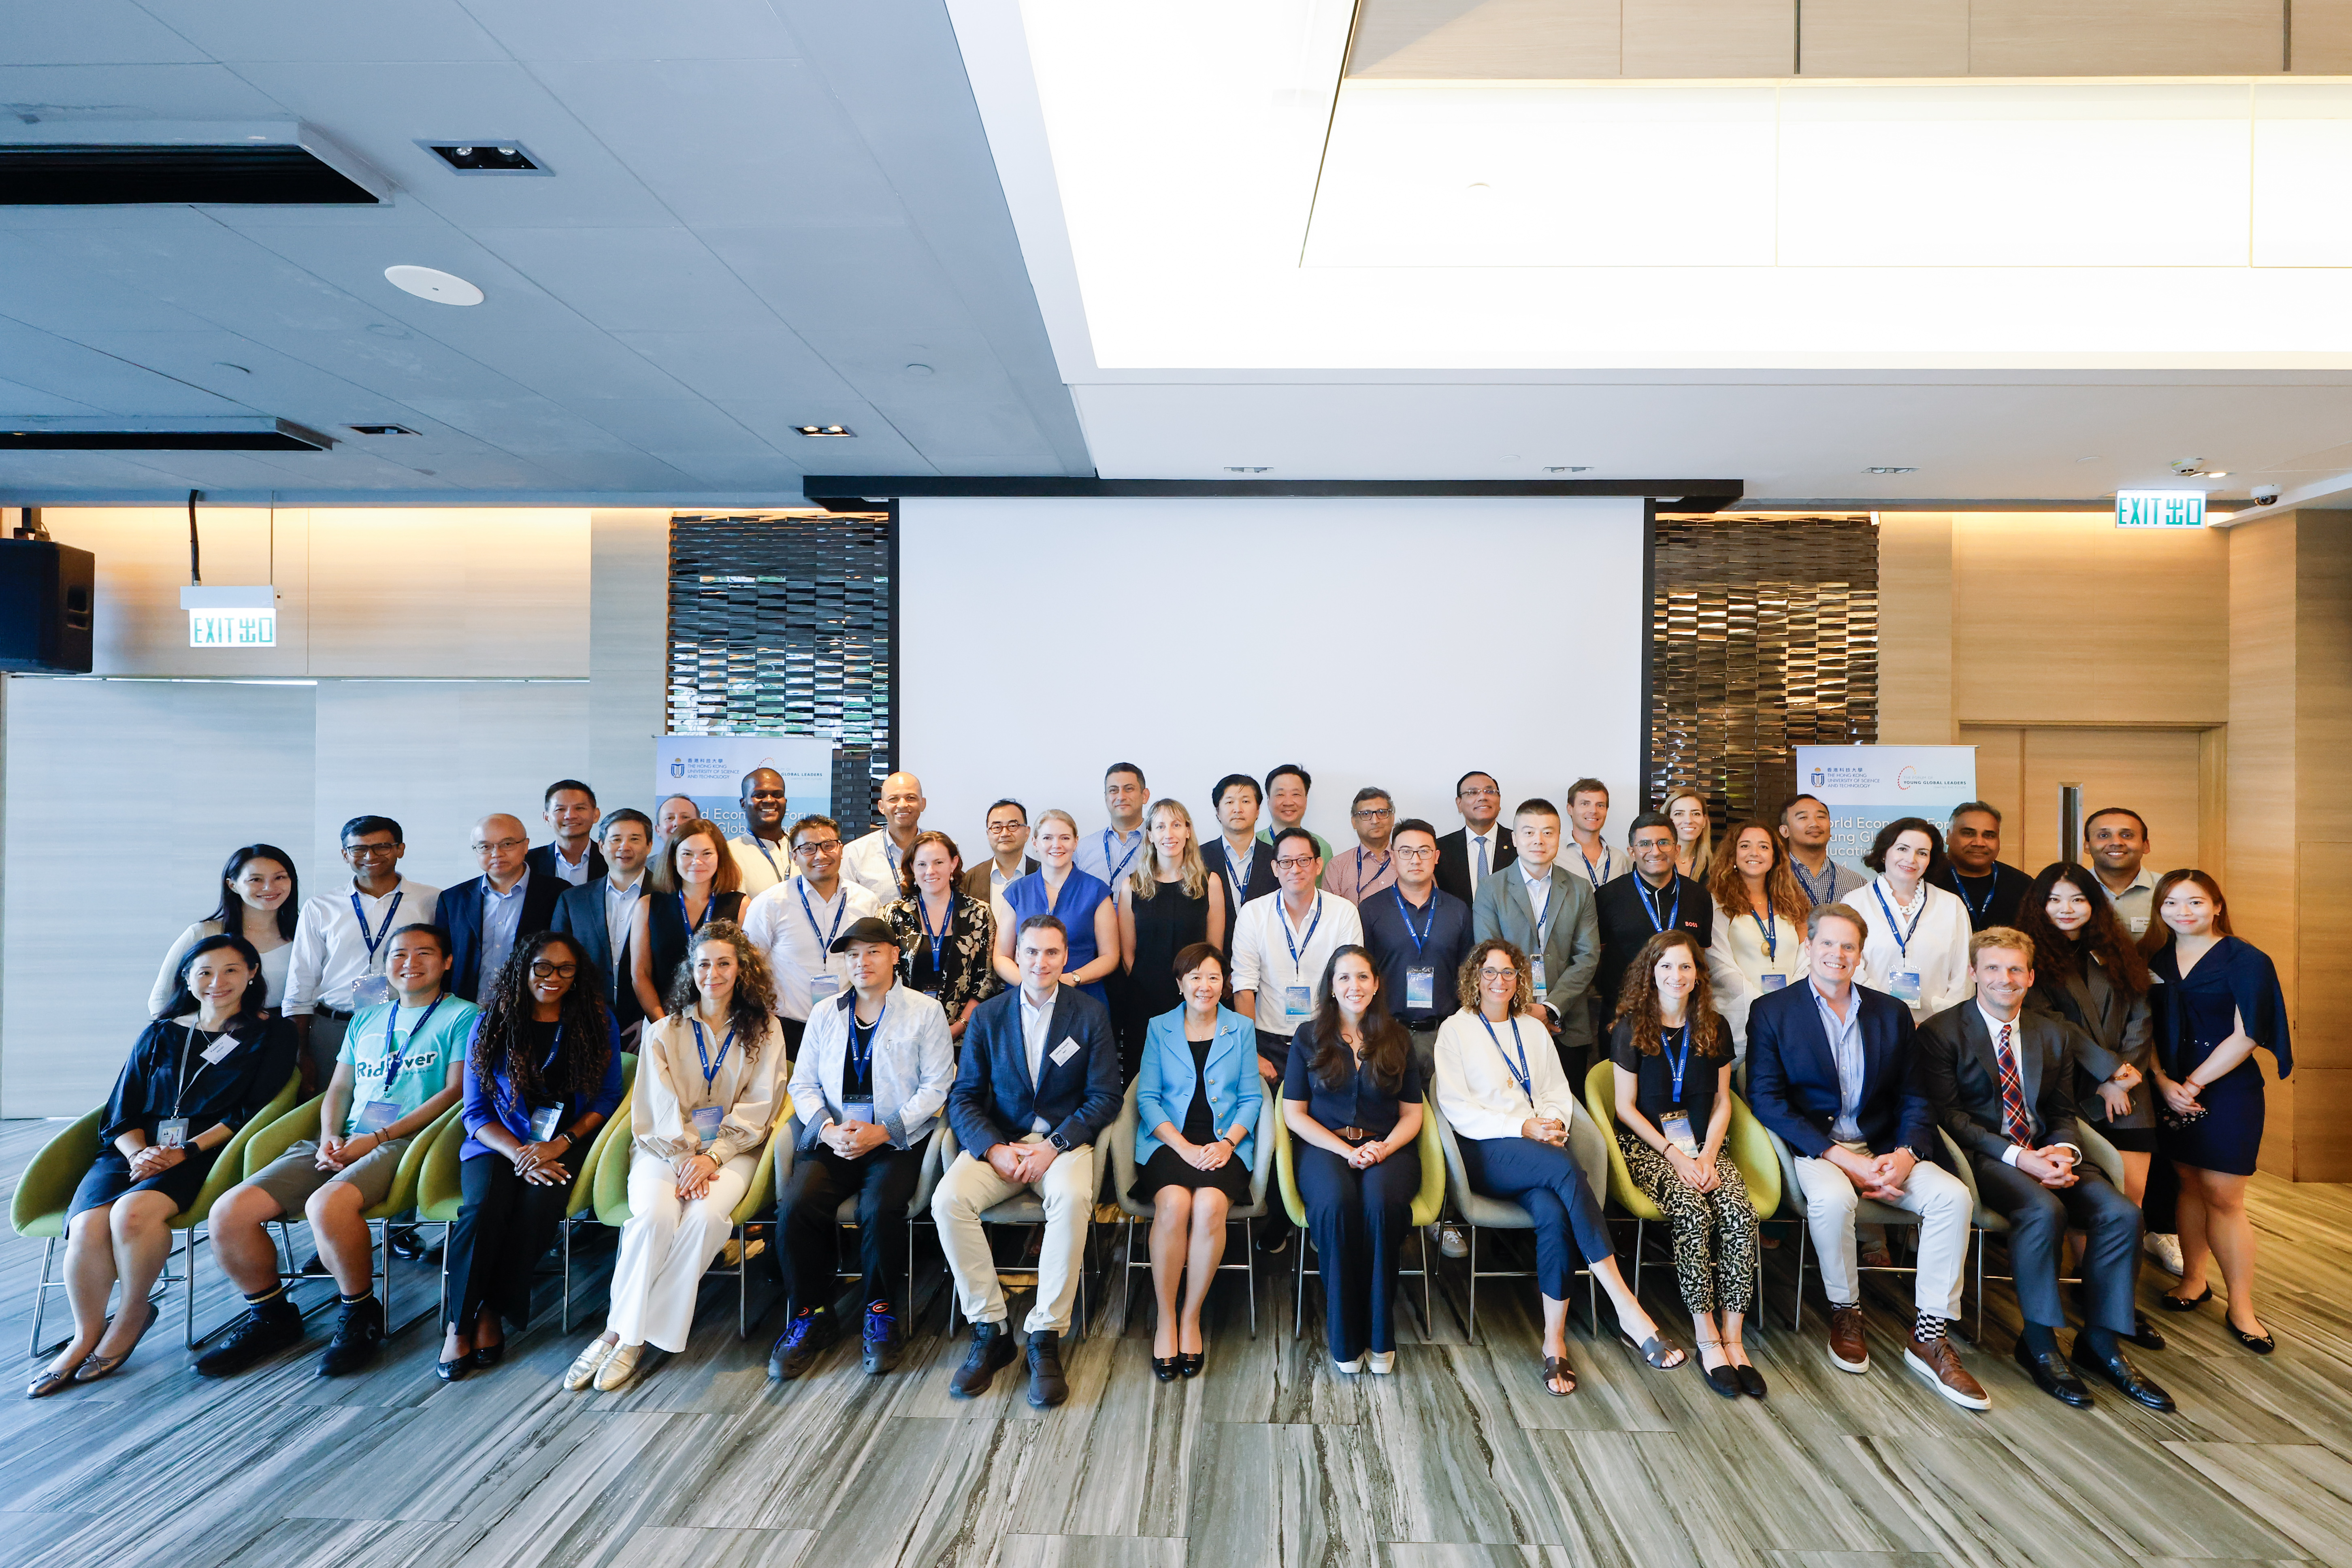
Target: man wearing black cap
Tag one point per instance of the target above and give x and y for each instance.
(873, 1072)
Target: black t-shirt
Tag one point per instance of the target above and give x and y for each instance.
(1993, 899)
(1655, 1075)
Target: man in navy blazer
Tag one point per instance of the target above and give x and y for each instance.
(598, 913)
(1038, 1085)
(488, 916)
(572, 858)
(1834, 1069)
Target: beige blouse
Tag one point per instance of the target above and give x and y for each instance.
(670, 1088)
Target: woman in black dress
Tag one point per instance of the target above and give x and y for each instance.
(1169, 901)
(944, 936)
(1200, 1063)
(693, 882)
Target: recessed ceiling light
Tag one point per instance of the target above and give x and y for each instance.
(1231, 469)
(1890, 471)
(485, 157)
(1570, 468)
(2217, 473)
(824, 430)
(431, 283)
(379, 429)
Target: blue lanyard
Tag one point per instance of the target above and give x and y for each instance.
(1522, 1073)
(709, 1068)
(692, 925)
(1550, 914)
(1282, 918)
(1992, 887)
(1813, 895)
(1125, 860)
(761, 846)
(861, 1061)
(1767, 926)
(824, 938)
(924, 909)
(1681, 1061)
(382, 931)
(1421, 937)
(1902, 938)
(1376, 875)
(1608, 860)
(1239, 876)
(503, 1094)
(393, 1055)
(1650, 905)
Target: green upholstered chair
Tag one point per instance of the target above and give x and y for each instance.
(1426, 1205)
(1121, 1138)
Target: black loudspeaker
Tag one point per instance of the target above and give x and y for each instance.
(47, 592)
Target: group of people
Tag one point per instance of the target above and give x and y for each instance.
(858, 1010)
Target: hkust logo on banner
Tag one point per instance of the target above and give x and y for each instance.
(1867, 787)
(708, 769)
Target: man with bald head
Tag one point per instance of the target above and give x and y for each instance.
(487, 915)
(872, 862)
(760, 851)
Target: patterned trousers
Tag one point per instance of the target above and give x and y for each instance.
(1713, 1232)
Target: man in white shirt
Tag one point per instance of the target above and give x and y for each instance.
(569, 809)
(1805, 827)
(1283, 943)
(1481, 847)
(762, 858)
(2115, 841)
(1109, 853)
(872, 862)
(1589, 855)
(796, 923)
(1008, 841)
(598, 915)
(340, 941)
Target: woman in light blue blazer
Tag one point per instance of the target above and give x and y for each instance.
(1196, 1107)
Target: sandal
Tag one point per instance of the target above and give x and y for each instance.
(1656, 1350)
(1556, 1366)
(97, 1366)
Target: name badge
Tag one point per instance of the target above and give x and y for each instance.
(218, 1051)
(2139, 927)
(171, 1132)
(857, 1111)
(1906, 986)
(369, 990)
(1064, 1051)
(1676, 1126)
(1775, 982)
(823, 986)
(1420, 990)
(544, 1121)
(706, 1119)
(376, 1116)
(1297, 1001)
(1537, 979)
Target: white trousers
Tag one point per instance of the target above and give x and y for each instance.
(1937, 1197)
(666, 1247)
(970, 1187)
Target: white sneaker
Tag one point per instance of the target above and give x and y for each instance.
(1450, 1242)
(2164, 1251)
(1351, 1367)
(1380, 1363)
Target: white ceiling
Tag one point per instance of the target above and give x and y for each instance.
(761, 215)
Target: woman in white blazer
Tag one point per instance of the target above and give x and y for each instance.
(1916, 949)
(1759, 924)
(705, 1099)
(1501, 1089)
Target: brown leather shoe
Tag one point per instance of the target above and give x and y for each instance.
(1849, 1351)
(1939, 1364)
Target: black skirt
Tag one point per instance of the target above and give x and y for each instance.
(1166, 1168)
(109, 1178)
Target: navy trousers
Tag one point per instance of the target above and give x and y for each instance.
(1360, 1220)
(1545, 1181)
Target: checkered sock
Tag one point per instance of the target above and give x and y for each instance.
(1929, 1329)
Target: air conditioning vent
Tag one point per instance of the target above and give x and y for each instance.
(76, 174)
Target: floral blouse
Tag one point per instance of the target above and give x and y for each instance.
(963, 973)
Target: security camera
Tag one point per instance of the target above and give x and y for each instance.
(2267, 495)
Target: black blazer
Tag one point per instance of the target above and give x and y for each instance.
(1963, 1076)
(1454, 859)
(1792, 1080)
(541, 860)
(1626, 926)
(579, 915)
(994, 1101)
(460, 914)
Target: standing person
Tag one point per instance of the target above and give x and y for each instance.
(1173, 902)
(1354, 1101)
(796, 923)
(873, 1074)
(1008, 839)
(1974, 871)
(706, 1094)
(2218, 1000)
(692, 884)
(1038, 1085)
(1200, 1063)
(1672, 1056)
(674, 813)
(389, 1087)
(1370, 867)
(1109, 853)
(1685, 810)
(1589, 855)
(1418, 934)
(1082, 903)
(1286, 804)
(872, 862)
(601, 915)
(488, 916)
(571, 858)
(1805, 825)
(944, 938)
(260, 900)
(1547, 914)
(1917, 950)
(1510, 1107)
(338, 942)
(1834, 1068)
(209, 1063)
(762, 855)
(2089, 972)
(2115, 843)
(1479, 847)
(1244, 867)
(1759, 924)
(1656, 898)
(1282, 950)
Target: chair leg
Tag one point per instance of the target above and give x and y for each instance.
(743, 1233)
(1797, 1308)
(41, 1294)
(565, 1225)
(1249, 1263)
(1641, 1229)
(188, 1281)
(1127, 1276)
(1428, 1323)
(1471, 1328)
(1299, 1286)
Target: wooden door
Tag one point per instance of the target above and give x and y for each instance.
(2158, 773)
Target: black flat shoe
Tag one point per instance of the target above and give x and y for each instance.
(2054, 1378)
(2126, 1378)
(1752, 1382)
(488, 1356)
(2172, 1303)
(1190, 1364)
(2261, 1344)
(1724, 1380)
(451, 1371)
(1164, 1367)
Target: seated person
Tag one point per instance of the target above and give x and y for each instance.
(1353, 1098)
(210, 1062)
(1673, 1053)
(402, 1064)
(1834, 1068)
(542, 1072)
(2001, 1082)
(872, 1075)
(1038, 1083)
(1200, 1063)
(708, 1073)
(1508, 1103)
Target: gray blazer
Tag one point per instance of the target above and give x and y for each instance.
(1962, 1076)
(1571, 952)
(975, 881)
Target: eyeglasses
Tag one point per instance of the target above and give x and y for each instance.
(1372, 813)
(1414, 852)
(996, 827)
(822, 847)
(503, 844)
(1498, 975)
(1489, 792)
(372, 851)
(542, 970)
(1294, 863)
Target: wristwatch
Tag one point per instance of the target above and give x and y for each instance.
(1060, 1143)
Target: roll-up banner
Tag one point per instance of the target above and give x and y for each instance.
(1867, 787)
(708, 769)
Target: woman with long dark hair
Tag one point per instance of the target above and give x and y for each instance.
(259, 897)
(1352, 1098)
(542, 1072)
(2088, 970)
(1917, 950)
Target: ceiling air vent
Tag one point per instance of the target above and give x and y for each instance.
(225, 435)
(70, 163)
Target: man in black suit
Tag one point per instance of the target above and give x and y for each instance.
(598, 914)
(1479, 847)
(1244, 866)
(488, 916)
(1634, 909)
(1038, 1085)
(2001, 1082)
(1973, 868)
(570, 809)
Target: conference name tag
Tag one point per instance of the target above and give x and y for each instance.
(857, 1111)
(1906, 985)
(370, 991)
(706, 1119)
(376, 1116)
(544, 1121)
(218, 1051)
(1297, 1001)
(1064, 1051)
(822, 986)
(1775, 982)
(1420, 990)
(1538, 978)
(1676, 1126)
(171, 1132)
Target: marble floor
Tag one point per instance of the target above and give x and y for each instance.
(1269, 1457)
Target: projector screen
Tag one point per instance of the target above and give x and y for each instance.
(1397, 642)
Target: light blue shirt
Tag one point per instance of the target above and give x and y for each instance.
(501, 918)
(1035, 1021)
(1845, 1045)
(1109, 855)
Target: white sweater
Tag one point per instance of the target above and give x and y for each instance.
(1479, 1086)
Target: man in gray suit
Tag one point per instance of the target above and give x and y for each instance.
(1547, 914)
(597, 914)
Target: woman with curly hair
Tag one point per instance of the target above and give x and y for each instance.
(542, 1072)
(1672, 1055)
(708, 1076)
(2087, 969)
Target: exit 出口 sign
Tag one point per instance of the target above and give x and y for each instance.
(231, 617)
(2160, 508)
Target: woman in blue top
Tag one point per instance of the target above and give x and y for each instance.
(1082, 902)
(1200, 1064)
(2216, 998)
(542, 1072)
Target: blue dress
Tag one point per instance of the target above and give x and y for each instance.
(1073, 907)
(2233, 981)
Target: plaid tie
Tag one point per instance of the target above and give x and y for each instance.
(2015, 1125)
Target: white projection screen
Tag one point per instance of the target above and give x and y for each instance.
(1398, 642)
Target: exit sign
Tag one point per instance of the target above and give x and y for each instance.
(231, 617)
(2160, 508)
